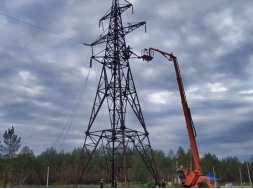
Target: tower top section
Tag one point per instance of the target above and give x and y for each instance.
(116, 29)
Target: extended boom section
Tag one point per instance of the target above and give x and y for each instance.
(195, 178)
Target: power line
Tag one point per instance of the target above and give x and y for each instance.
(40, 28)
(72, 116)
(77, 106)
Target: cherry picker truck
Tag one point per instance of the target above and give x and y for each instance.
(195, 178)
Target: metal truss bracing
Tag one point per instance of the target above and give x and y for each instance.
(116, 87)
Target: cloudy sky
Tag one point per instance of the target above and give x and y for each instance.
(43, 74)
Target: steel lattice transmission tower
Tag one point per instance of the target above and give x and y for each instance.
(116, 87)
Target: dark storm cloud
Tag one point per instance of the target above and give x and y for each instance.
(208, 59)
(43, 73)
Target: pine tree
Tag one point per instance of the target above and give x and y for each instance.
(12, 143)
(9, 149)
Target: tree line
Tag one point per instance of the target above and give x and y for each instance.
(26, 168)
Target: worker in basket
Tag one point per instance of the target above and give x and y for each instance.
(181, 174)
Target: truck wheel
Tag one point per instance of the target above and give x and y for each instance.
(202, 184)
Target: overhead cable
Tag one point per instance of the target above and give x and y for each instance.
(40, 28)
(72, 116)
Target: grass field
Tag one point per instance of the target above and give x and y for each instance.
(131, 185)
